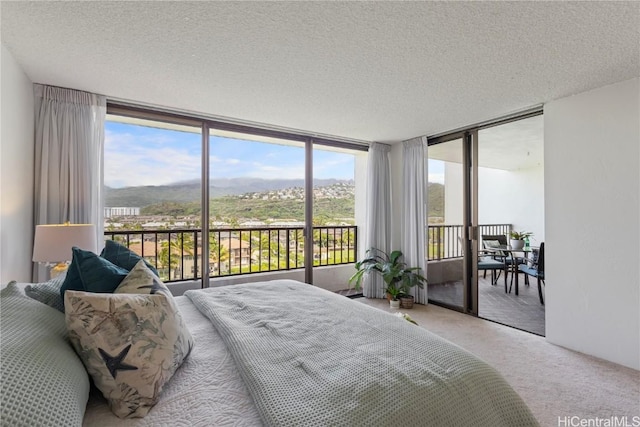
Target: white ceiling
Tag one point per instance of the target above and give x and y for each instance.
(373, 71)
(512, 146)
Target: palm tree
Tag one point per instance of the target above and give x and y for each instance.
(217, 252)
(172, 252)
(270, 249)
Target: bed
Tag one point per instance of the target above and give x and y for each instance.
(288, 354)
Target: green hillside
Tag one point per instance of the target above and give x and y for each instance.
(436, 199)
(229, 207)
(182, 192)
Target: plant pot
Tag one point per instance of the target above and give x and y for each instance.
(517, 244)
(406, 301)
(394, 303)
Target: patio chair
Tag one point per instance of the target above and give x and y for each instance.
(486, 262)
(493, 241)
(535, 268)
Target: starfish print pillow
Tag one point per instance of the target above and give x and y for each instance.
(131, 342)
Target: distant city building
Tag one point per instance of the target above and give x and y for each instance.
(154, 224)
(121, 211)
(287, 224)
(253, 224)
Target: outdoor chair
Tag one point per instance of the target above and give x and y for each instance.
(535, 268)
(486, 262)
(492, 241)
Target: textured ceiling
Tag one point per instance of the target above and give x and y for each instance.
(374, 71)
(511, 146)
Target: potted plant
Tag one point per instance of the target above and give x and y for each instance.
(397, 276)
(517, 238)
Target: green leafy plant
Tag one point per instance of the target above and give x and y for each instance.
(519, 235)
(397, 276)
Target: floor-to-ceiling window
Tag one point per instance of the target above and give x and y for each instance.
(152, 179)
(256, 203)
(267, 191)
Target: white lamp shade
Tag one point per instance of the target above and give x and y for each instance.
(53, 242)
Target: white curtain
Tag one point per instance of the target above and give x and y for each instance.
(378, 225)
(69, 143)
(414, 203)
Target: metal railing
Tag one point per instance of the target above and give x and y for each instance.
(233, 251)
(444, 241)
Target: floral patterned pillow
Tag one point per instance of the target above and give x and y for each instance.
(131, 341)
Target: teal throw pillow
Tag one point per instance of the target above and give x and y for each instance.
(122, 256)
(89, 272)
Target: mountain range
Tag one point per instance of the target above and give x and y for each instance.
(155, 198)
(190, 191)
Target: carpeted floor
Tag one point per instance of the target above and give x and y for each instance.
(555, 382)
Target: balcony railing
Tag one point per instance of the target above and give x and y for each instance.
(233, 251)
(443, 241)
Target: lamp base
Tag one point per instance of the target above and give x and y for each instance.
(58, 269)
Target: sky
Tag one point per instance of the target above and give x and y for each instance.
(436, 171)
(139, 155)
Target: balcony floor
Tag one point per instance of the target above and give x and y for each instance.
(523, 311)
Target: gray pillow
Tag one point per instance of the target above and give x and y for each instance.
(42, 380)
(48, 292)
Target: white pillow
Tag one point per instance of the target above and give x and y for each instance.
(492, 243)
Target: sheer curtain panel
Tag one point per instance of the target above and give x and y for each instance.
(68, 158)
(378, 225)
(414, 203)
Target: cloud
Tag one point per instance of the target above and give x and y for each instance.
(138, 158)
(129, 163)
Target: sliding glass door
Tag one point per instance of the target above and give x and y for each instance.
(484, 183)
(446, 224)
(511, 198)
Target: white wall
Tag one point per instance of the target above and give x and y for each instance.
(504, 197)
(592, 191)
(513, 197)
(453, 199)
(331, 278)
(16, 171)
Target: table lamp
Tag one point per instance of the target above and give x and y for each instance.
(53, 242)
